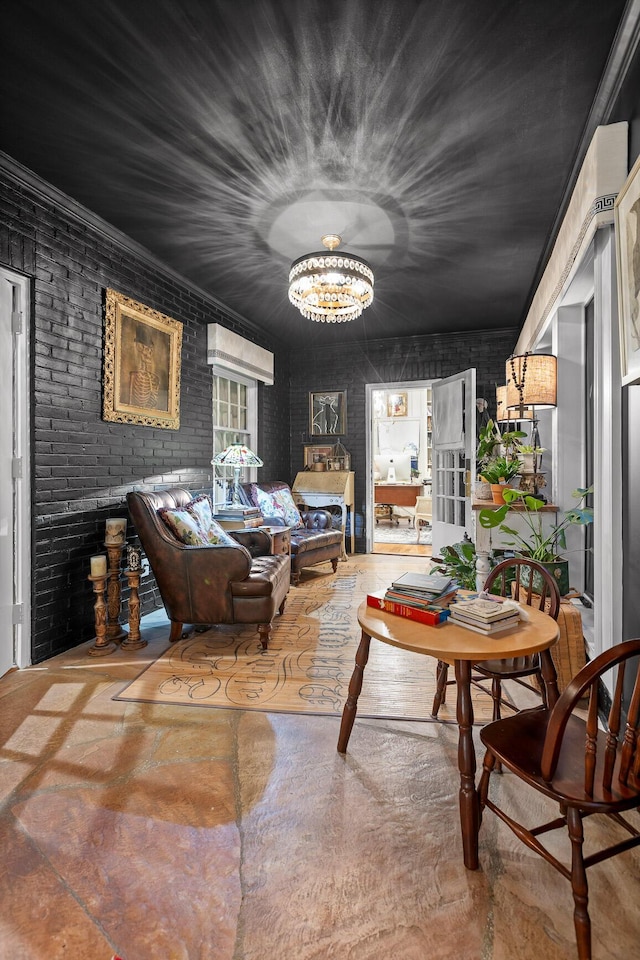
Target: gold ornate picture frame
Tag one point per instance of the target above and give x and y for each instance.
(627, 226)
(142, 357)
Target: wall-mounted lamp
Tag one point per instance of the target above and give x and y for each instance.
(504, 415)
(532, 382)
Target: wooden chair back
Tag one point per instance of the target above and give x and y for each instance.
(611, 768)
(515, 577)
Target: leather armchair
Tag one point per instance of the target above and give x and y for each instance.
(214, 583)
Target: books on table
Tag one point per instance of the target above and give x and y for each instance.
(487, 611)
(485, 616)
(430, 615)
(422, 584)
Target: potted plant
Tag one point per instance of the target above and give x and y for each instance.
(498, 472)
(527, 455)
(493, 445)
(538, 544)
(458, 562)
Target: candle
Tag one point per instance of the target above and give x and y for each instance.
(116, 531)
(133, 558)
(99, 566)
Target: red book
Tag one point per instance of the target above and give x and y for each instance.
(430, 617)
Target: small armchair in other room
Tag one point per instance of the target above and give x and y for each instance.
(206, 575)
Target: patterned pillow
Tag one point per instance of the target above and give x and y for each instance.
(183, 525)
(278, 503)
(202, 510)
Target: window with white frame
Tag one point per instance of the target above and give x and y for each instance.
(235, 420)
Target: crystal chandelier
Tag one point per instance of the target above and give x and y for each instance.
(330, 288)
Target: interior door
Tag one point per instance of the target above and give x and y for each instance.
(15, 500)
(7, 518)
(454, 448)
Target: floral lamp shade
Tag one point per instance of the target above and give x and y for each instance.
(236, 455)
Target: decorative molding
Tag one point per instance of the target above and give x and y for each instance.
(618, 63)
(591, 206)
(602, 205)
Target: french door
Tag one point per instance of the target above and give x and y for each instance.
(454, 446)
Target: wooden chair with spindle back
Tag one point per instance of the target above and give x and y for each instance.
(586, 768)
(503, 579)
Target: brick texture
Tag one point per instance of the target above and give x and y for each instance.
(388, 361)
(83, 466)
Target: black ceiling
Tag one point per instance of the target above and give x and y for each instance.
(227, 136)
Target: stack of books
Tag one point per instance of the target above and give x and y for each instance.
(423, 588)
(237, 518)
(416, 596)
(485, 616)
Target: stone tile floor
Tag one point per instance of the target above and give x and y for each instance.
(167, 833)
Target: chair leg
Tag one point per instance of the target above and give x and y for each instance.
(281, 607)
(579, 885)
(176, 631)
(334, 564)
(488, 765)
(264, 630)
(496, 693)
(442, 672)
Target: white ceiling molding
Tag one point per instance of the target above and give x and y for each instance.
(601, 177)
(232, 352)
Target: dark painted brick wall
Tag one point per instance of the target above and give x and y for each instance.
(350, 368)
(82, 466)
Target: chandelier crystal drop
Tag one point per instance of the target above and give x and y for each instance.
(330, 288)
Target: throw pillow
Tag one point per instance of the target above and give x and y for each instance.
(279, 503)
(183, 525)
(213, 533)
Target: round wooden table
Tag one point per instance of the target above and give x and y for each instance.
(462, 648)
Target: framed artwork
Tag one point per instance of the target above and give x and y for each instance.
(328, 413)
(317, 453)
(627, 222)
(142, 356)
(397, 405)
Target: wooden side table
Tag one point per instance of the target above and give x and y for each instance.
(280, 539)
(462, 647)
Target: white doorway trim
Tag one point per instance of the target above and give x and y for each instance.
(16, 298)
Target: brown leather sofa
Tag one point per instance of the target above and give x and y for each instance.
(210, 584)
(315, 542)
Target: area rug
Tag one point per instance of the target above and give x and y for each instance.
(310, 658)
(390, 533)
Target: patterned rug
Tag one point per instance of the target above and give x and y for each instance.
(403, 533)
(310, 658)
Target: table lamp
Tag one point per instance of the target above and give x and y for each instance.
(236, 455)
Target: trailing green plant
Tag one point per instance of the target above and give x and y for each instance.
(510, 442)
(537, 544)
(488, 440)
(500, 469)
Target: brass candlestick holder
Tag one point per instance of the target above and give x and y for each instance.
(115, 631)
(102, 645)
(133, 640)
